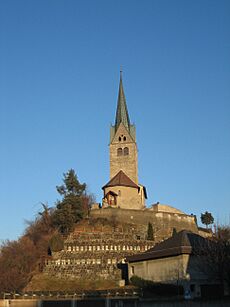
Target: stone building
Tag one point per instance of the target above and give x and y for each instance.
(124, 193)
(123, 189)
(178, 260)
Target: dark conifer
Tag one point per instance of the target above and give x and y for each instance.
(150, 232)
(207, 218)
(70, 209)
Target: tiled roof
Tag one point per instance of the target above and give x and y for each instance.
(183, 242)
(121, 179)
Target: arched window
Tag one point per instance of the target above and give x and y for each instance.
(126, 151)
(119, 152)
(124, 138)
(119, 138)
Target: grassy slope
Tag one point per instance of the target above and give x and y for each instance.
(42, 282)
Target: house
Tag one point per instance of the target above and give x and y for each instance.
(178, 260)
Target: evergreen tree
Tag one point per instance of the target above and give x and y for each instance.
(150, 232)
(70, 209)
(64, 218)
(207, 218)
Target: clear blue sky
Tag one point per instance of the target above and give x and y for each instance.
(59, 76)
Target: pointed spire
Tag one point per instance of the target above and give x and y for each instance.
(122, 115)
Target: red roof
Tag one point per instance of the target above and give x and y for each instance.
(121, 179)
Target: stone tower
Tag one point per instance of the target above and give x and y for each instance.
(123, 189)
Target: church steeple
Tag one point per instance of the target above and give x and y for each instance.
(122, 115)
(123, 190)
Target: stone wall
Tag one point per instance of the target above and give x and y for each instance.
(99, 244)
(95, 250)
(163, 222)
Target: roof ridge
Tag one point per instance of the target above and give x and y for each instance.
(121, 179)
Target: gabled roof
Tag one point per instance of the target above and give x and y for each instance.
(121, 179)
(183, 242)
(122, 115)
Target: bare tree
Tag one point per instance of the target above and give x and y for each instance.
(213, 256)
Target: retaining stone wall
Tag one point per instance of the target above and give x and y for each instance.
(103, 241)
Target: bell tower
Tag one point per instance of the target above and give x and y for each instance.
(123, 190)
(123, 147)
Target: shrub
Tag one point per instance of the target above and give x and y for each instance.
(151, 288)
(56, 243)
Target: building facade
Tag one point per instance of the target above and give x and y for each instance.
(178, 260)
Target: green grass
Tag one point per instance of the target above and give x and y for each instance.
(42, 282)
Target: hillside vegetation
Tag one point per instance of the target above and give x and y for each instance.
(21, 259)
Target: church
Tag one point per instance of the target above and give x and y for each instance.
(123, 190)
(118, 227)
